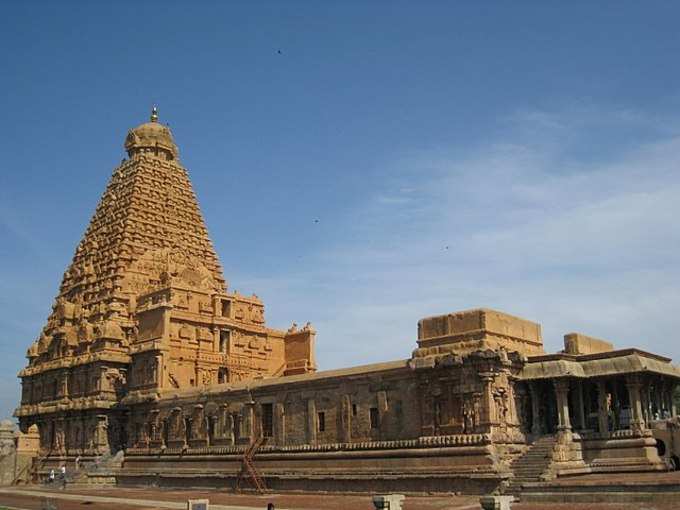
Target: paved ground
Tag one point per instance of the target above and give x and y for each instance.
(630, 479)
(157, 499)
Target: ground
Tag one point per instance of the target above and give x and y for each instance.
(108, 498)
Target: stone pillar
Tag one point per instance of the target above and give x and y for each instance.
(673, 409)
(280, 423)
(562, 394)
(248, 428)
(160, 372)
(535, 409)
(488, 414)
(616, 406)
(602, 408)
(226, 424)
(633, 383)
(658, 398)
(346, 419)
(311, 421)
(580, 407)
(644, 397)
(667, 399)
(382, 411)
(198, 428)
(513, 414)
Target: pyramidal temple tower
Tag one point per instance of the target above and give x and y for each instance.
(143, 308)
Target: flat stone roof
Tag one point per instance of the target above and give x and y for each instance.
(625, 361)
(252, 384)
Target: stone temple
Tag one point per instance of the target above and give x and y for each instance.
(149, 363)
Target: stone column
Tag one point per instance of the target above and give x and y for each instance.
(280, 423)
(382, 411)
(346, 419)
(633, 383)
(580, 407)
(562, 394)
(673, 409)
(644, 397)
(658, 397)
(160, 373)
(311, 421)
(667, 397)
(602, 408)
(488, 413)
(535, 409)
(616, 406)
(248, 429)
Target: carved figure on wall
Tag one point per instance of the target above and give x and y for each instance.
(59, 436)
(468, 417)
(101, 434)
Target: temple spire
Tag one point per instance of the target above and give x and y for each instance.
(154, 114)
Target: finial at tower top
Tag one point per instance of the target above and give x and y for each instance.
(154, 114)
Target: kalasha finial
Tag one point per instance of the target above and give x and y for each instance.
(154, 114)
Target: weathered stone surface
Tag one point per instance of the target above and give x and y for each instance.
(8, 452)
(474, 330)
(578, 343)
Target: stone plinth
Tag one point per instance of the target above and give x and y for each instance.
(388, 501)
(496, 502)
(198, 504)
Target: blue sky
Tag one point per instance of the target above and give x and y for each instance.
(523, 156)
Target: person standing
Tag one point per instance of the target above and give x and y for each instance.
(63, 476)
(51, 477)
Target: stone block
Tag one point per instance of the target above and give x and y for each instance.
(577, 343)
(388, 501)
(198, 504)
(481, 329)
(496, 502)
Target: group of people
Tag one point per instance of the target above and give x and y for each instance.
(62, 476)
(52, 478)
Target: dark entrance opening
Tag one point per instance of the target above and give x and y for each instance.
(267, 420)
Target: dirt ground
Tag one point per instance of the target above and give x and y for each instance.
(283, 501)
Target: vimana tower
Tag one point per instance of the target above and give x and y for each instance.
(146, 356)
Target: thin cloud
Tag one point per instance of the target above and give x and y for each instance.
(531, 223)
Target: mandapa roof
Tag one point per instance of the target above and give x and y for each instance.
(605, 364)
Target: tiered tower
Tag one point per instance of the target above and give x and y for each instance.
(143, 308)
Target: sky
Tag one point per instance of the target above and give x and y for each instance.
(362, 165)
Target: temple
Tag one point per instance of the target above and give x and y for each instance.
(148, 362)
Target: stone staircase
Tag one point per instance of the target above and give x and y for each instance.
(532, 464)
(100, 471)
